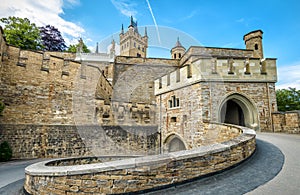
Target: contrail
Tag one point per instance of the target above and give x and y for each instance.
(150, 9)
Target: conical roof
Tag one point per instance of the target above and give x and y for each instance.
(178, 44)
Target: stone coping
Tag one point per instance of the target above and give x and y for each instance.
(41, 168)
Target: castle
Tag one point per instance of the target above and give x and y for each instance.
(65, 104)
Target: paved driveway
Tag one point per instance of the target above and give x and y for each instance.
(288, 180)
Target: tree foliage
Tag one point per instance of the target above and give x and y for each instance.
(5, 151)
(79, 47)
(288, 99)
(52, 39)
(21, 33)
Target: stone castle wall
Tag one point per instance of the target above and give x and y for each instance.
(133, 78)
(195, 51)
(139, 174)
(56, 141)
(202, 86)
(200, 103)
(49, 97)
(286, 122)
(39, 88)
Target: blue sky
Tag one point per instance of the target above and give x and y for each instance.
(209, 23)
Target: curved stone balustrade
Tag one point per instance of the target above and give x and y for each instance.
(141, 173)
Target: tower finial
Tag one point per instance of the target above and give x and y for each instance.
(145, 32)
(97, 48)
(178, 44)
(131, 21)
(122, 29)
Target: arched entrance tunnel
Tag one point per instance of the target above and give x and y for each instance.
(232, 113)
(238, 110)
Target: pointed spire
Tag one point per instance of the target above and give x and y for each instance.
(131, 20)
(178, 44)
(145, 32)
(97, 48)
(122, 29)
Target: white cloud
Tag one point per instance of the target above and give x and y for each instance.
(43, 13)
(190, 15)
(289, 76)
(241, 20)
(126, 7)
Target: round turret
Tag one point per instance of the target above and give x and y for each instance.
(177, 51)
(253, 41)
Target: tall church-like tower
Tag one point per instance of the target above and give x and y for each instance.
(132, 43)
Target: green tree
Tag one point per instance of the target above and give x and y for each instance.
(21, 33)
(288, 99)
(5, 151)
(80, 46)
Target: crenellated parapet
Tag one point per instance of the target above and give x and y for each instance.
(39, 87)
(194, 52)
(220, 69)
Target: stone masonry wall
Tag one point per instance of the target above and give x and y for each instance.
(46, 95)
(139, 174)
(40, 88)
(133, 78)
(262, 95)
(207, 82)
(286, 122)
(54, 141)
(216, 52)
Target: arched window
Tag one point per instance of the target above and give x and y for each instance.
(256, 46)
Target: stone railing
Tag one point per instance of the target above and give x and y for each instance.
(139, 174)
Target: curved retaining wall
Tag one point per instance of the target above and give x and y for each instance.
(138, 174)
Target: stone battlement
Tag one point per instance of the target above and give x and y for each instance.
(38, 87)
(221, 69)
(97, 57)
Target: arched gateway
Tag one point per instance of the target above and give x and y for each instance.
(174, 143)
(239, 110)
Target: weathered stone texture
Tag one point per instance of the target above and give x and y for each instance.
(144, 173)
(39, 88)
(133, 78)
(52, 141)
(286, 122)
(206, 87)
(43, 141)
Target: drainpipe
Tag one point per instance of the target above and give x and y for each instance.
(269, 105)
